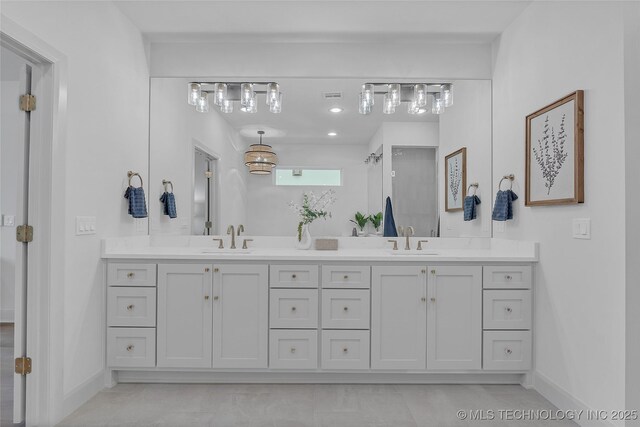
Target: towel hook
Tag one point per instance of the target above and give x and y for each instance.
(165, 183)
(131, 174)
(510, 177)
(475, 187)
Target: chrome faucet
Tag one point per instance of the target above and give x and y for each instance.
(408, 232)
(231, 231)
(240, 228)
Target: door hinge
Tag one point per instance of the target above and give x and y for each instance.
(27, 103)
(23, 365)
(24, 233)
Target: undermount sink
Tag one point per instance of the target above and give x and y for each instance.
(413, 252)
(226, 251)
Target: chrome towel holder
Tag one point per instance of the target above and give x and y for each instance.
(131, 174)
(475, 186)
(165, 183)
(510, 177)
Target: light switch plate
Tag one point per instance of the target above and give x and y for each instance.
(581, 228)
(8, 220)
(85, 225)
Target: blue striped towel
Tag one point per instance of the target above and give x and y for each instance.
(503, 208)
(137, 203)
(470, 211)
(168, 201)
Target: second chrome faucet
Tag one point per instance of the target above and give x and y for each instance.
(231, 231)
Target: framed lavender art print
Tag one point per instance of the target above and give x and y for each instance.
(555, 153)
(455, 180)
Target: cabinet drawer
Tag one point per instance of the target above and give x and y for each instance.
(346, 276)
(345, 309)
(294, 308)
(293, 276)
(131, 347)
(507, 350)
(293, 349)
(507, 277)
(345, 349)
(506, 309)
(124, 274)
(131, 306)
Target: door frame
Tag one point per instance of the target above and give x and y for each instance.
(45, 281)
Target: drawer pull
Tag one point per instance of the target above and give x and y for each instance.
(508, 277)
(293, 309)
(508, 351)
(508, 309)
(216, 298)
(206, 297)
(346, 309)
(131, 275)
(345, 350)
(206, 270)
(346, 277)
(293, 276)
(433, 272)
(423, 299)
(215, 270)
(423, 271)
(433, 299)
(130, 347)
(293, 349)
(130, 307)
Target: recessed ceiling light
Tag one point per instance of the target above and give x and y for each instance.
(336, 109)
(332, 134)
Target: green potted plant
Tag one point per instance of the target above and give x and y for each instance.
(376, 220)
(361, 221)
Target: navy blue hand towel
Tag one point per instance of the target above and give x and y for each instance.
(168, 201)
(137, 203)
(503, 208)
(470, 211)
(389, 223)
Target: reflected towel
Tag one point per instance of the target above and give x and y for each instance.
(137, 203)
(168, 201)
(389, 223)
(470, 211)
(503, 208)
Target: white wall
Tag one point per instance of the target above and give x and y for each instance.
(10, 136)
(550, 50)
(406, 60)
(107, 135)
(268, 210)
(467, 123)
(176, 128)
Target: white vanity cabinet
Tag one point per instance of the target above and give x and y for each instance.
(240, 316)
(184, 315)
(399, 317)
(454, 317)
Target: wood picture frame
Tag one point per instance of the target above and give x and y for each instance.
(554, 161)
(455, 180)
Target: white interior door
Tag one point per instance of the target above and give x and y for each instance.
(16, 81)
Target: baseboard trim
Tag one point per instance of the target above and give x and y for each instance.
(80, 394)
(7, 315)
(563, 400)
(131, 376)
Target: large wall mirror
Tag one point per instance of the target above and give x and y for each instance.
(322, 142)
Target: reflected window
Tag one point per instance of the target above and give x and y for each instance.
(309, 177)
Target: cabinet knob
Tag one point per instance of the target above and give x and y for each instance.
(346, 309)
(293, 349)
(433, 272)
(507, 277)
(424, 271)
(345, 350)
(130, 307)
(206, 270)
(423, 299)
(206, 297)
(346, 277)
(508, 350)
(130, 347)
(293, 309)
(131, 275)
(508, 309)
(293, 276)
(215, 270)
(216, 298)
(433, 299)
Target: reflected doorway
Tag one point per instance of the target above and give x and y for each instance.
(203, 221)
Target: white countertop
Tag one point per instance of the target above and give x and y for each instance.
(374, 249)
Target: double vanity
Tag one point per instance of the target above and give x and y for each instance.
(181, 309)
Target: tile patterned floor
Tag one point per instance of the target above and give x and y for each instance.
(314, 405)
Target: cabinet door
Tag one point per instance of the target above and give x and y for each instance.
(454, 317)
(184, 315)
(398, 317)
(241, 321)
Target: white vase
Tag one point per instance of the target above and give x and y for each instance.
(306, 241)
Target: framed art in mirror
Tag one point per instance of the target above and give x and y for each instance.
(555, 153)
(455, 180)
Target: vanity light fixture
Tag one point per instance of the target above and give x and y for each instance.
(260, 159)
(224, 95)
(414, 94)
(336, 110)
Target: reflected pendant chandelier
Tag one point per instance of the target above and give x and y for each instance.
(260, 159)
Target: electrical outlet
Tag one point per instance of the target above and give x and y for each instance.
(581, 228)
(85, 225)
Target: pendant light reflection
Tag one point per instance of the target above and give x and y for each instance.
(260, 159)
